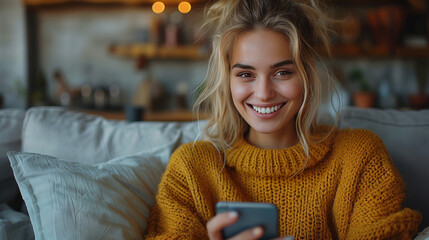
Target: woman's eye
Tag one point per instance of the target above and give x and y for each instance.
(244, 75)
(283, 73)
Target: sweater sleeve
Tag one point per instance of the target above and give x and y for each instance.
(377, 211)
(174, 216)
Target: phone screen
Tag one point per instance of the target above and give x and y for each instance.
(250, 215)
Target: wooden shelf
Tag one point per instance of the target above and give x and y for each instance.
(360, 51)
(415, 52)
(152, 51)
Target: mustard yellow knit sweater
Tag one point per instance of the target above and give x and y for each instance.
(348, 190)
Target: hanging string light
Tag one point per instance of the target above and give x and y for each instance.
(158, 7)
(184, 7)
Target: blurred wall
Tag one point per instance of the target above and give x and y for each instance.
(13, 74)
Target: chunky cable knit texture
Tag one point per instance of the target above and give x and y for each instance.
(349, 188)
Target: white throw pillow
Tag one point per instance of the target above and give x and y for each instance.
(72, 200)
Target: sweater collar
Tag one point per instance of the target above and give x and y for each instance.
(247, 158)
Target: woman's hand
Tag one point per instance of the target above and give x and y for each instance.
(223, 220)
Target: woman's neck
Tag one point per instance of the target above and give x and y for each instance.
(272, 140)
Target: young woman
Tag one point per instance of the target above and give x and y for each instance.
(263, 143)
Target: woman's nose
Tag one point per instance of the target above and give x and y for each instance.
(264, 89)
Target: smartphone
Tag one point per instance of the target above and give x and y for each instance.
(250, 215)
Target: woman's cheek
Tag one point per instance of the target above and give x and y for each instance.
(291, 90)
(239, 91)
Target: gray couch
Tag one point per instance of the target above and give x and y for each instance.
(77, 142)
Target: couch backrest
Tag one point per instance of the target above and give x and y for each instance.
(80, 137)
(11, 121)
(406, 136)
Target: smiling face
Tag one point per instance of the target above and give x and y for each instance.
(265, 87)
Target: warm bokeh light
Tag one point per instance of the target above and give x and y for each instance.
(158, 7)
(184, 7)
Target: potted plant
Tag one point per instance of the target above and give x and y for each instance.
(363, 97)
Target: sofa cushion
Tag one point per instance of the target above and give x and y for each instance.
(80, 137)
(11, 121)
(406, 136)
(72, 200)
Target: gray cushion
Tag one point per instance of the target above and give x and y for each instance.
(80, 137)
(11, 121)
(406, 136)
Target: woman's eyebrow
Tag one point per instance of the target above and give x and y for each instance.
(276, 65)
(243, 66)
(282, 63)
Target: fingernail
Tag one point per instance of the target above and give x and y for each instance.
(233, 214)
(257, 231)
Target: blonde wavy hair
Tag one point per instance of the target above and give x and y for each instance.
(302, 22)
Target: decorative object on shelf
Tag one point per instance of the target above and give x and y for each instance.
(149, 95)
(142, 96)
(156, 35)
(173, 30)
(386, 24)
(351, 29)
(86, 93)
(100, 98)
(386, 96)
(182, 92)
(65, 95)
(115, 97)
(363, 97)
(420, 99)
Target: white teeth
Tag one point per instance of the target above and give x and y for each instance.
(267, 110)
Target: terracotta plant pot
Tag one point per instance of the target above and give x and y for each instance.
(364, 99)
(419, 101)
